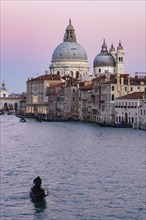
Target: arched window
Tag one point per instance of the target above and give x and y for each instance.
(16, 106)
(77, 75)
(5, 106)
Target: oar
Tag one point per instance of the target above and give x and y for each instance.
(55, 196)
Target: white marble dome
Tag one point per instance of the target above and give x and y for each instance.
(69, 57)
(69, 51)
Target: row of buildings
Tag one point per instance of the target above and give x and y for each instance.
(70, 91)
(106, 99)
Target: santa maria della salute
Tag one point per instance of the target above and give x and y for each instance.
(69, 91)
(70, 58)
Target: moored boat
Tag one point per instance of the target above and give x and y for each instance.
(22, 119)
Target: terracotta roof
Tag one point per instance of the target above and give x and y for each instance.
(125, 75)
(53, 85)
(135, 95)
(10, 98)
(87, 87)
(46, 77)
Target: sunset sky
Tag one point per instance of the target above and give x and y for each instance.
(31, 30)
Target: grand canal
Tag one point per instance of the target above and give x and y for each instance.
(95, 173)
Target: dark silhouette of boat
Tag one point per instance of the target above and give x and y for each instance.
(38, 195)
(22, 120)
(116, 125)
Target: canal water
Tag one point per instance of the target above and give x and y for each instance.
(92, 172)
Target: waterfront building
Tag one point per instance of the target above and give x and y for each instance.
(71, 98)
(36, 99)
(85, 101)
(9, 102)
(142, 116)
(107, 88)
(130, 109)
(55, 107)
(63, 100)
(69, 57)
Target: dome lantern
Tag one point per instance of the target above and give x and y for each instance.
(69, 35)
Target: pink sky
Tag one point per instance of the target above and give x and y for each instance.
(31, 30)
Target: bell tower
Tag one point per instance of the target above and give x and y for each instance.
(120, 59)
(3, 90)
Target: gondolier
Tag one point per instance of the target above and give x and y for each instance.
(37, 192)
(37, 184)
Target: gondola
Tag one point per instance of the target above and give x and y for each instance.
(38, 195)
(22, 119)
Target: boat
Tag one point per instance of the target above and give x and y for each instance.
(38, 195)
(121, 125)
(57, 119)
(116, 125)
(22, 119)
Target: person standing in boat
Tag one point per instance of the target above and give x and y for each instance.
(37, 184)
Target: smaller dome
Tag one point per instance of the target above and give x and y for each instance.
(104, 58)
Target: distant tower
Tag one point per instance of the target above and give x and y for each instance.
(112, 51)
(120, 59)
(3, 90)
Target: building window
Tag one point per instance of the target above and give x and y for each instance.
(113, 88)
(113, 96)
(58, 72)
(131, 89)
(141, 111)
(16, 106)
(125, 88)
(77, 75)
(35, 99)
(99, 70)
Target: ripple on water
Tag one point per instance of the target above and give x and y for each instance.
(96, 173)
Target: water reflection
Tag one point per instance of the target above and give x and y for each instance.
(99, 172)
(39, 206)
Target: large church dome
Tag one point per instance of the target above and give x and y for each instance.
(69, 51)
(69, 57)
